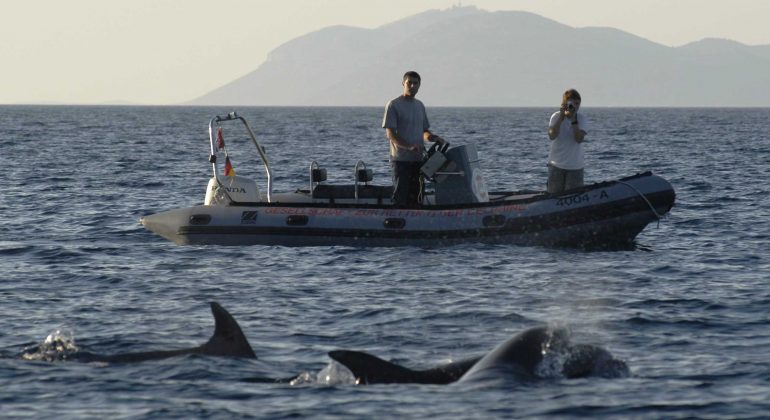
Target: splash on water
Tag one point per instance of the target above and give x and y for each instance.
(555, 352)
(332, 374)
(562, 359)
(57, 346)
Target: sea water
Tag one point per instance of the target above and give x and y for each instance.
(687, 308)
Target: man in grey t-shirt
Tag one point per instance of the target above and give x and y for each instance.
(406, 127)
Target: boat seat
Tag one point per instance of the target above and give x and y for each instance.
(348, 191)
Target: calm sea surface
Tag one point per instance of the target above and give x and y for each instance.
(688, 309)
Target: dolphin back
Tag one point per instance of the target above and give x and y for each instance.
(521, 353)
(369, 369)
(228, 340)
(524, 353)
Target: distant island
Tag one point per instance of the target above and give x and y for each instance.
(471, 57)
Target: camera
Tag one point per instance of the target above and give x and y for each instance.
(570, 106)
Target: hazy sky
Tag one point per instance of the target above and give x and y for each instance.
(170, 51)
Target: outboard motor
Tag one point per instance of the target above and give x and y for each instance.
(233, 188)
(460, 180)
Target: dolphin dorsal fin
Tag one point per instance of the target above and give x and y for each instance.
(371, 369)
(228, 339)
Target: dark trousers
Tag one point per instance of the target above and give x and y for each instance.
(407, 183)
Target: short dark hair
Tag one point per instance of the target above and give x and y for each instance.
(411, 73)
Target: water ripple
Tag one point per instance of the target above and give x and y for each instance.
(686, 307)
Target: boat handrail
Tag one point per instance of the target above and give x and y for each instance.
(231, 117)
(317, 175)
(360, 166)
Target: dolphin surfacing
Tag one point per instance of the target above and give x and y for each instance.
(524, 353)
(520, 355)
(228, 341)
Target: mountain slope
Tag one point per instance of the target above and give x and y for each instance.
(470, 57)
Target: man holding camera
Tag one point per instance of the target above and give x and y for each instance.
(567, 129)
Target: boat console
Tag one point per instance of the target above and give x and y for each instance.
(455, 173)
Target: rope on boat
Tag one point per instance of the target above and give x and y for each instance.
(652, 209)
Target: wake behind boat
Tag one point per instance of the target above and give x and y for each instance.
(459, 209)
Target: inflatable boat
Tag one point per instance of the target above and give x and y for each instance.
(457, 209)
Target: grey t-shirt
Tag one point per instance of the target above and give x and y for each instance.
(409, 120)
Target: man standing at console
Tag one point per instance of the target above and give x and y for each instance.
(406, 127)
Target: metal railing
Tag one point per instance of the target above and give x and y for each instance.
(232, 116)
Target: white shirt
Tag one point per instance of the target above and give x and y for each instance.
(565, 152)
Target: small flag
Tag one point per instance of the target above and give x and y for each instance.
(229, 171)
(220, 139)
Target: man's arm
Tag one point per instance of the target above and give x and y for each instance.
(428, 136)
(555, 126)
(395, 139)
(553, 132)
(580, 133)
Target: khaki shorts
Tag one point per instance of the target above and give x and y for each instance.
(563, 179)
